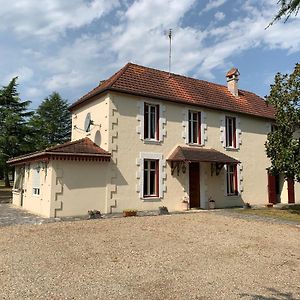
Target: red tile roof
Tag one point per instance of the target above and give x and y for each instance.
(196, 154)
(144, 81)
(78, 150)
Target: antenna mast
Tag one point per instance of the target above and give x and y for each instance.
(170, 50)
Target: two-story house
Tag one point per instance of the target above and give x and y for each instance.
(145, 138)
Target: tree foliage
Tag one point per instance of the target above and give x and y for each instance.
(13, 125)
(283, 144)
(287, 8)
(51, 123)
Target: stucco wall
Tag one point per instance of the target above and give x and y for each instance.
(38, 204)
(252, 176)
(78, 186)
(98, 109)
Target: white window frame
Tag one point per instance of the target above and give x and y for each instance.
(140, 174)
(232, 132)
(191, 124)
(36, 181)
(149, 171)
(150, 124)
(161, 122)
(234, 174)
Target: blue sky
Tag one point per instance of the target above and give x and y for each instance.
(69, 46)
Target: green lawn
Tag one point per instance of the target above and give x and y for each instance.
(3, 188)
(289, 213)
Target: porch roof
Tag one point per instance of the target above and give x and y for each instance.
(197, 154)
(81, 150)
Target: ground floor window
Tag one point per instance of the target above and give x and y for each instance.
(151, 177)
(36, 181)
(231, 180)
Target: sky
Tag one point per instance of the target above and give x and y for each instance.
(69, 46)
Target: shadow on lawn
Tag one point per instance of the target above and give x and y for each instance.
(275, 295)
(5, 196)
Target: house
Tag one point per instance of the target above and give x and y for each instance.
(145, 138)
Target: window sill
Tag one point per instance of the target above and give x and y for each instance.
(195, 145)
(151, 199)
(231, 149)
(232, 195)
(152, 142)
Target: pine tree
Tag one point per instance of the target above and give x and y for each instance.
(51, 123)
(287, 8)
(13, 125)
(283, 144)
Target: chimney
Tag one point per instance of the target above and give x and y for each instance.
(232, 77)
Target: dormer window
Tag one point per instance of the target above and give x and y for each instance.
(230, 132)
(151, 121)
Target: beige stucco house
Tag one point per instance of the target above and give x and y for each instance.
(145, 138)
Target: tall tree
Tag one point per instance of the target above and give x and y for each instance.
(283, 144)
(287, 8)
(51, 122)
(13, 125)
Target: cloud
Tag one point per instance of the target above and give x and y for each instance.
(48, 18)
(219, 16)
(24, 74)
(212, 4)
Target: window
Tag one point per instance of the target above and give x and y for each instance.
(231, 179)
(151, 121)
(230, 132)
(151, 177)
(194, 127)
(36, 181)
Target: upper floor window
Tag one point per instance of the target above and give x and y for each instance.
(194, 127)
(151, 121)
(231, 180)
(230, 129)
(151, 178)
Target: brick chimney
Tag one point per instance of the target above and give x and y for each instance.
(232, 77)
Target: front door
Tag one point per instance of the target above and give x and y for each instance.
(194, 177)
(272, 188)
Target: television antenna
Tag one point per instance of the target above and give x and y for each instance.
(170, 35)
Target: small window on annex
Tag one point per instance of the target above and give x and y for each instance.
(36, 181)
(230, 132)
(231, 180)
(151, 177)
(194, 127)
(151, 121)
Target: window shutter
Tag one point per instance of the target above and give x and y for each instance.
(157, 123)
(223, 131)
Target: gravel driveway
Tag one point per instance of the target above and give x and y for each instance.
(188, 256)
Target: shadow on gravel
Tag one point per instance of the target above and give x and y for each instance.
(275, 295)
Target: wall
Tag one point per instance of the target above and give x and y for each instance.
(252, 173)
(98, 110)
(38, 204)
(78, 186)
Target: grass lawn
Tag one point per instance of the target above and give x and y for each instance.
(289, 213)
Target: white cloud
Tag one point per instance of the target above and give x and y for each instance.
(24, 74)
(219, 16)
(48, 18)
(212, 4)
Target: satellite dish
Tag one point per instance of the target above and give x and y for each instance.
(88, 122)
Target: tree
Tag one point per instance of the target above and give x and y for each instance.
(13, 125)
(51, 123)
(287, 8)
(283, 144)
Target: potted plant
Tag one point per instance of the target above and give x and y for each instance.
(163, 210)
(185, 203)
(211, 203)
(129, 212)
(269, 205)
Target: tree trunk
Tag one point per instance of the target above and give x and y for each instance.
(6, 177)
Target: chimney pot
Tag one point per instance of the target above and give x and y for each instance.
(232, 77)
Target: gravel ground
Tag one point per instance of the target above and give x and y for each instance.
(188, 256)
